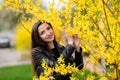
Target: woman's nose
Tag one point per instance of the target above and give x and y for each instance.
(47, 32)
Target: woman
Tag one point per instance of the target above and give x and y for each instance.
(45, 46)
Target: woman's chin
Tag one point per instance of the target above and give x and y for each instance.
(50, 40)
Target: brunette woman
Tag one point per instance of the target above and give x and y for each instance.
(45, 46)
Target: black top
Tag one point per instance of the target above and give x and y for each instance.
(39, 54)
(55, 53)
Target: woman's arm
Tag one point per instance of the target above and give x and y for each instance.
(67, 52)
(79, 58)
(69, 49)
(78, 52)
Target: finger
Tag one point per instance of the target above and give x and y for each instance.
(63, 31)
(76, 35)
(64, 27)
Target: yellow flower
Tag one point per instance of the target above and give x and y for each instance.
(35, 78)
(60, 60)
(103, 78)
(90, 77)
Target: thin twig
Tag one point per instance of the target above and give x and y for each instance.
(113, 14)
(99, 30)
(96, 51)
(107, 21)
(117, 70)
(25, 28)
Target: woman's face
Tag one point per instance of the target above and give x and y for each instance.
(46, 33)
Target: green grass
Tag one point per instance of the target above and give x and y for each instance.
(84, 75)
(18, 72)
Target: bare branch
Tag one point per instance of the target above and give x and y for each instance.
(99, 30)
(25, 28)
(107, 21)
(113, 14)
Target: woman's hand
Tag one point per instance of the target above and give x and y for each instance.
(77, 42)
(69, 39)
(66, 38)
(63, 37)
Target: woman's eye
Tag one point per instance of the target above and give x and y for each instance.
(48, 28)
(42, 33)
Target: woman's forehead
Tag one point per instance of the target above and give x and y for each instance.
(43, 26)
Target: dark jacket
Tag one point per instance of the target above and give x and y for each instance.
(39, 54)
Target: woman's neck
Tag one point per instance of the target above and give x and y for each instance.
(51, 45)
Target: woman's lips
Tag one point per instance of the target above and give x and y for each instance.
(49, 37)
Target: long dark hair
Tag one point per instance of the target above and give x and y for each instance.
(36, 40)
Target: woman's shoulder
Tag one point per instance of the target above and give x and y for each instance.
(37, 49)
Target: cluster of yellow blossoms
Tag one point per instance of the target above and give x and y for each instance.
(59, 68)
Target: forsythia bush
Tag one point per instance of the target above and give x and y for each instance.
(97, 22)
(22, 38)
